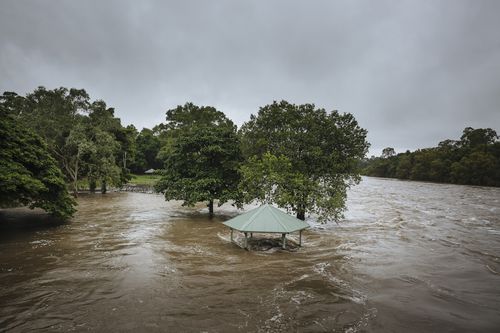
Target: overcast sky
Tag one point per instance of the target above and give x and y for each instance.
(413, 73)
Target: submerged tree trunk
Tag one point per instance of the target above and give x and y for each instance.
(92, 185)
(75, 176)
(73, 172)
(75, 187)
(301, 212)
(103, 186)
(211, 207)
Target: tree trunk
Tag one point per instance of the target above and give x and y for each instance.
(75, 186)
(103, 186)
(301, 212)
(75, 175)
(211, 207)
(92, 185)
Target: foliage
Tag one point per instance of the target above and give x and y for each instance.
(148, 147)
(101, 164)
(28, 174)
(83, 136)
(388, 152)
(301, 158)
(201, 157)
(473, 160)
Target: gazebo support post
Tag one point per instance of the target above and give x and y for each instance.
(251, 235)
(300, 238)
(283, 241)
(232, 241)
(246, 240)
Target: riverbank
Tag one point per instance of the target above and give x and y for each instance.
(26, 218)
(146, 180)
(137, 184)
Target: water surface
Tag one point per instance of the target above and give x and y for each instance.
(409, 256)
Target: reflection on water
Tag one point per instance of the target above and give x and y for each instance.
(410, 256)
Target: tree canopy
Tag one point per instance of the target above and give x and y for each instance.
(301, 158)
(148, 146)
(84, 137)
(201, 156)
(28, 174)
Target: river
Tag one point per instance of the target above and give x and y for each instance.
(409, 257)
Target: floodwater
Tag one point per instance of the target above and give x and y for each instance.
(409, 257)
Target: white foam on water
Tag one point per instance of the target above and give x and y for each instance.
(357, 296)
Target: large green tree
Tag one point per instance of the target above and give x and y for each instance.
(201, 157)
(302, 158)
(28, 174)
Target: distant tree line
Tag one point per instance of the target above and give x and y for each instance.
(299, 157)
(472, 160)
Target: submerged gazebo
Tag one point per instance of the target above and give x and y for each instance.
(266, 219)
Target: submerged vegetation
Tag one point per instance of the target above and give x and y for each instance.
(472, 160)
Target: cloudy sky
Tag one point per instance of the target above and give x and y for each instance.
(412, 72)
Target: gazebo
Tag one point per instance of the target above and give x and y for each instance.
(266, 219)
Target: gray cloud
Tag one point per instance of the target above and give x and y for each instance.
(412, 72)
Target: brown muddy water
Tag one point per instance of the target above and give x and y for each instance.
(409, 257)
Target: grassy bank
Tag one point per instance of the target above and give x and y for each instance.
(147, 180)
(139, 180)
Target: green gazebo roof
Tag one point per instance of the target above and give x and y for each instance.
(266, 219)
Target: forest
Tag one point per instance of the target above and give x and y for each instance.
(58, 142)
(474, 159)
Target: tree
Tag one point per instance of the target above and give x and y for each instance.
(28, 174)
(110, 141)
(100, 162)
(201, 158)
(388, 152)
(147, 149)
(115, 144)
(75, 147)
(266, 177)
(478, 137)
(308, 156)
